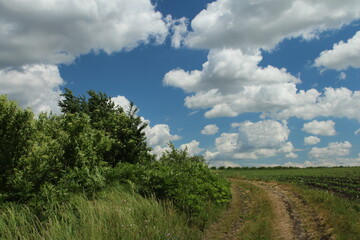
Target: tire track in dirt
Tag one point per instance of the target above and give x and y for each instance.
(294, 219)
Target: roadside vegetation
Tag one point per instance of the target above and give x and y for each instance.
(88, 174)
(333, 193)
(248, 217)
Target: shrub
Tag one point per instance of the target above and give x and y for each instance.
(16, 131)
(66, 155)
(178, 177)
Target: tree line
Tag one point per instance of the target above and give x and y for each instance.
(92, 144)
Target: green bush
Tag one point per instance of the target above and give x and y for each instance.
(65, 155)
(16, 132)
(124, 128)
(47, 159)
(178, 177)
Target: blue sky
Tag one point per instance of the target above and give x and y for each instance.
(245, 83)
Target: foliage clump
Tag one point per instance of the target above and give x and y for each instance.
(93, 144)
(183, 179)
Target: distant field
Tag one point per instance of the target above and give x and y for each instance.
(344, 181)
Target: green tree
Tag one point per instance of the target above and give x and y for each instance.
(16, 130)
(66, 155)
(124, 128)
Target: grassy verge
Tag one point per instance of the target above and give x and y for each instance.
(117, 214)
(338, 212)
(258, 221)
(248, 216)
(341, 214)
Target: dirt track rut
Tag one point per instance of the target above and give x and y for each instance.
(293, 217)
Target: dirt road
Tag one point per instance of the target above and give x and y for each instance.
(291, 217)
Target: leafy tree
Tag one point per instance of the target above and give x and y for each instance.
(16, 131)
(66, 155)
(124, 128)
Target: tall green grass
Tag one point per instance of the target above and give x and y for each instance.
(342, 214)
(117, 214)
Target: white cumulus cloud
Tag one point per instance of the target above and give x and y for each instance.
(210, 129)
(231, 83)
(53, 32)
(333, 150)
(263, 24)
(34, 86)
(333, 102)
(229, 71)
(255, 140)
(193, 147)
(342, 56)
(322, 128)
(311, 140)
(121, 101)
(159, 135)
(209, 156)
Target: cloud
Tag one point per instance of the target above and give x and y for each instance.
(311, 140)
(254, 140)
(333, 150)
(55, 32)
(333, 102)
(178, 28)
(35, 86)
(340, 161)
(231, 83)
(224, 164)
(342, 76)
(159, 150)
(250, 25)
(342, 56)
(227, 143)
(322, 128)
(192, 147)
(229, 71)
(351, 162)
(159, 135)
(210, 129)
(357, 132)
(208, 155)
(291, 155)
(121, 101)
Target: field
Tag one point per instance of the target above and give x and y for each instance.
(342, 181)
(291, 203)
